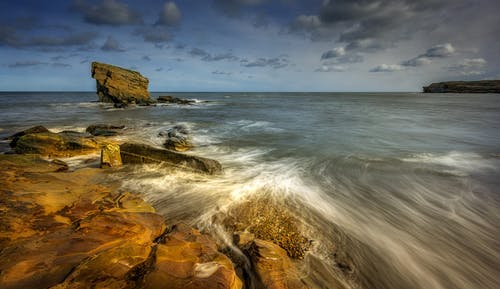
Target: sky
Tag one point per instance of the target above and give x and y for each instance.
(250, 45)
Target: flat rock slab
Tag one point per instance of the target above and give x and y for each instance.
(133, 153)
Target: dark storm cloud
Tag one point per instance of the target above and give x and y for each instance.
(107, 12)
(170, 14)
(112, 45)
(154, 34)
(369, 25)
(235, 7)
(33, 63)
(276, 62)
(435, 52)
(469, 66)
(206, 56)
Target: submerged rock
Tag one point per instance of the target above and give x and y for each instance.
(118, 85)
(104, 129)
(171, 99)
(269, 221)
(133, 153)
(178, 138)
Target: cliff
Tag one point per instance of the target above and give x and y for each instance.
(118, 85)
(482, 86)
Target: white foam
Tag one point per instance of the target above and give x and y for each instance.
(461, 161)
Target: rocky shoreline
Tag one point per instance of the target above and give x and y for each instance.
(482, 86)
(78, 229)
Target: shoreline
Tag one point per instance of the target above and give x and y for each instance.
(78, 229)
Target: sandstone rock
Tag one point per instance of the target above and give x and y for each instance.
(118, 85)
(104, 129)
(56, 144)
(36, 129)
(190, 260)
(178, 139)
(171, 99)
(273, 267)
(482, 86)
(133, 153)
(110, 156)
(269, 221)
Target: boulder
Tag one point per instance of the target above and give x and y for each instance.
(62, 144)
(120, 86)
(133, 153)
(188, 259)
(171, 99)
(110, 155)
(272, 266)
(15, 137)
(177, 139)
(481, 86)
(104, 129)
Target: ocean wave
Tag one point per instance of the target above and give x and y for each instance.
(462, 161)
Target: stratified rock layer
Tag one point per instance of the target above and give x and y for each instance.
(118, 85)
(68, 230)
(133, 153)
(482, 86)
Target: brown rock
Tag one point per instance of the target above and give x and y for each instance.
(36, 129)
(56, 144)
(133, 153)
(178, 139)
(118, 85)
(189, 260)
(110, 156)
(273, 267)
(176, 100)
(104, 129)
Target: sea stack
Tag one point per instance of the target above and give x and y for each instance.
(481, 86)
(119, 85)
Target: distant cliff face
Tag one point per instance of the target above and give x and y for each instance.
(119, 85)
(483, 86)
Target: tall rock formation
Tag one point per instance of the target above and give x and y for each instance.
(482, 86)
(120, 86)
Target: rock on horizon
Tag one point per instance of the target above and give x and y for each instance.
(119, 85)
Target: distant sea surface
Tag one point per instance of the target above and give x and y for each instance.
(406, 184)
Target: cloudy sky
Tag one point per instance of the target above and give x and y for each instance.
(250, 45)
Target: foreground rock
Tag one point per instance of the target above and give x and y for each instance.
(120, 86)
(178, 138)
(482, 86)
(271, 264)
(110, 156)
(63, 144)
(67, 230)
(190, 260)
(176, 100)
(133, 153)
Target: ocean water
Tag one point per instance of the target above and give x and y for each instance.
(405, 185)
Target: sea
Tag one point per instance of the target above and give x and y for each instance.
(406, 186)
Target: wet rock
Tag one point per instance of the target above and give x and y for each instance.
(176, 100)
(15, 137)
(178, 138)
(56, 144)
(267, 220)
(188, 259)
(133, 153)
(110, 156)
(104, 129)
(118, 85)
(272, 266)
